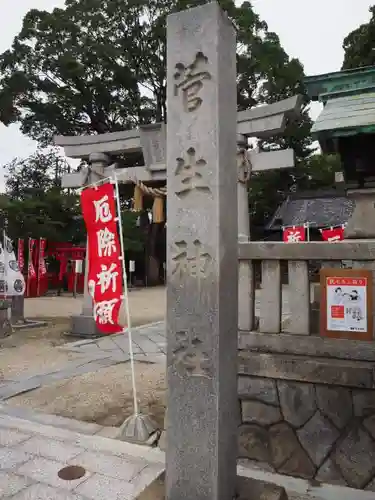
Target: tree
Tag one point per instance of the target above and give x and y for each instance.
(35, 175)
(133, 237)
(86, 68)
(320, 171)
(100, 66)
(359, 45)
(34, 203)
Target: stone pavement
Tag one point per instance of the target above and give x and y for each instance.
(148, 340)
(149, 345)
(92, 355)
(35, 446)
(32, 454)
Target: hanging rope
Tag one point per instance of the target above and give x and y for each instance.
(158, 194)
(150, 190)
(243, 165)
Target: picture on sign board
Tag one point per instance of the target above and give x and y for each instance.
(346, 310)
(346, 304)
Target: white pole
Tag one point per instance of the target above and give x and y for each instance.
(126, 298)
(5, 267)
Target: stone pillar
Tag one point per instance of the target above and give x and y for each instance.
(83, 325)
(245, 274)
(5, 324)
(202, 305)
(361, 224)
(18, 309)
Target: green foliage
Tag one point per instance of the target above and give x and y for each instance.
(36, 175)
(34, 203)
(86, 68)
(133, 236)
(320, 171)
(100, 66)
(359, 45)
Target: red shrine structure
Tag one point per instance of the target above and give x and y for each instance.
(61, 276)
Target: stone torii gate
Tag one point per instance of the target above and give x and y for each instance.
(100, 151)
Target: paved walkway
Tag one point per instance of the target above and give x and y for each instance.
(32, 454)
(35, 447)
(147, 340)
(149, 345)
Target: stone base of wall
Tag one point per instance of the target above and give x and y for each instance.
(323, 429)
(307, 408)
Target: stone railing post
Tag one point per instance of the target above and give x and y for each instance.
(245, 269)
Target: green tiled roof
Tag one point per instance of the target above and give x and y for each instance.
(347, 116)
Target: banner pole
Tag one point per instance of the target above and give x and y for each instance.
(126, 298)
(5, 267)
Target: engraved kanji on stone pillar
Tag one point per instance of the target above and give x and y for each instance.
(191, 259)
(202, 302)
(191, 173)
(190, 79)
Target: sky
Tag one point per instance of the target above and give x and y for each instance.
(310, 30)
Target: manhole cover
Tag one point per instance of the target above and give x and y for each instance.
(71, 473)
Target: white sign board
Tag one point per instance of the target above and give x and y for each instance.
(12, 281)
(79, 266)
(131, 266)
(347, 304)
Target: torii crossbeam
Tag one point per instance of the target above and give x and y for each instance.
(101, 151)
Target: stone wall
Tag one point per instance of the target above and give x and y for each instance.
(307, 415)
(321, 431)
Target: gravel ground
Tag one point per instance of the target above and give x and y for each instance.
(103, 397)
(32, 351)
(145, 304)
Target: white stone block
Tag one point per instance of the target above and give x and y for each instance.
(49, 448)
(10, 437)
(44, 492)
(99, 487)
(46, 471)
(10, 484)
(10, 458)
(110, 465)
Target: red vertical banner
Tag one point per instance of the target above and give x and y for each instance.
(105, 265)
(31, 274)
(21, 254)
(42, 270)
(31, 269)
